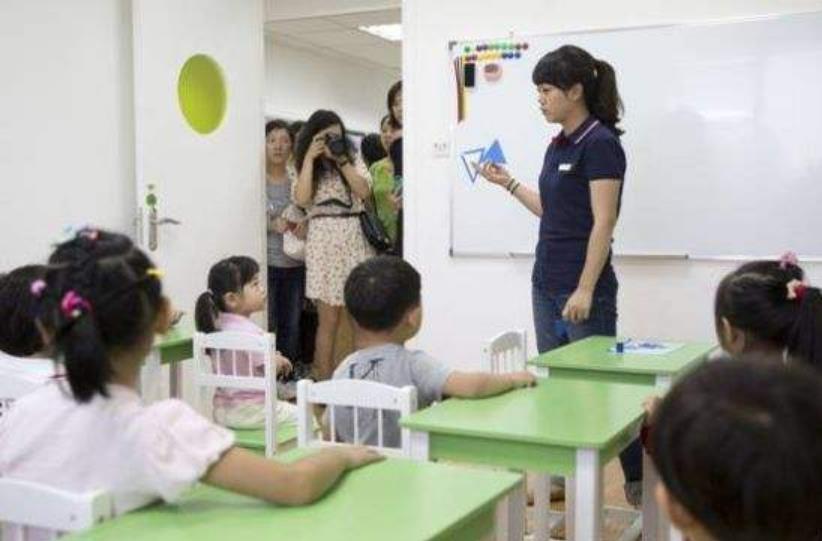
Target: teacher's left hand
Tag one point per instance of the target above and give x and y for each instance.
(578, 307)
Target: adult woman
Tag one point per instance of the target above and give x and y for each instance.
(286, 276)
(331, 186)
(394, 103)
(574, 287)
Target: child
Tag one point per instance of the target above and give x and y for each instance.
(91, 431)
(383, 296)
(234, 294)
(738, 451)
(766, 306)
(20, 339)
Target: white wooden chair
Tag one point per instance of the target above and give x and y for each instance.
(32, 510)
(12, 387)
(359, 394)
(506, 352)
(219, 358)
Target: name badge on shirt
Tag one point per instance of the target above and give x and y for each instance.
(565, 167)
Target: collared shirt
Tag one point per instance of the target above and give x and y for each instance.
(591, 152)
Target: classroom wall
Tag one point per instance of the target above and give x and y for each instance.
(66, 128)
(469, 300)
(299, 81)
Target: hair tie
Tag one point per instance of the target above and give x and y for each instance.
(89, 233)
(154, 272)
(37, 287)
(796, 290)
(788, 258)
(73, 305)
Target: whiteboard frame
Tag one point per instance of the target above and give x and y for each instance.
(462, 254)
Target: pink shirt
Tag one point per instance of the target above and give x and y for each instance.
(227, 398)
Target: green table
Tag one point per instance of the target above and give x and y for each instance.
(561, 426)
(592, 359)
(400, 500)
(171, 348)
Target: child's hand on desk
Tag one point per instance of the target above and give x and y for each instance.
(283, 365)
(522, 379)
(359, 456)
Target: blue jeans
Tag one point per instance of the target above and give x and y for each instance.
(552, 332)
(286, 292)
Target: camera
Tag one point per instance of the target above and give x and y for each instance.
(336, 145)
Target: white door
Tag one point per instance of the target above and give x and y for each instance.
(207, 176)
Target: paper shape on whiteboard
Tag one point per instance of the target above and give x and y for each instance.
(647, 347)
(494, 154)
(469, 157)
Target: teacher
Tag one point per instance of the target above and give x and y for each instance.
(574, 287)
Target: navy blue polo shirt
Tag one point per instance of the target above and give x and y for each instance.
(591, 152)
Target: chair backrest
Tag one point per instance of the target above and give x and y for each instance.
(357, 394)
(224, 359)
(12, 387)
(44, 511)
(506, 352)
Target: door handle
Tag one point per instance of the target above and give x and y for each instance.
(153, 222)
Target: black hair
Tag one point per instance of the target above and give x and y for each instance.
(294, 129)
(102, 294)
(569, 65)
(371, 149)
(229, 275)
(395, 89)
(278, 124)
(19, 334)
(737, 445)
(755, 299)
(318, 121)
(380, 290)
(395, 153)
(384, 119)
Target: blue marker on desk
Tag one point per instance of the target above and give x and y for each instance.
(620, 346)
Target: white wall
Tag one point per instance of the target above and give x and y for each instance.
(300, 81)
(66, 134)
(467, 301)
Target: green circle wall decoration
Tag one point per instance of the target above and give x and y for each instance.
(201, 93)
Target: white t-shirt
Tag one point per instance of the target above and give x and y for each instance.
(32, 369)
(138, 453)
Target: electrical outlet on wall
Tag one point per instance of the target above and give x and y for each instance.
(442, 149)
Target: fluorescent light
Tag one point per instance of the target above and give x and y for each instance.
(390, 32)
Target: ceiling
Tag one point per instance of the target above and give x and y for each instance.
(338, 35)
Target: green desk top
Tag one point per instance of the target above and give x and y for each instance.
(255, 438)
(176, 345)
(594, 354)
(397, 499)
(557, 412)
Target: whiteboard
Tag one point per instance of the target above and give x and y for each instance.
(722, 124)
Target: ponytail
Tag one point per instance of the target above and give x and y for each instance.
(206, 313)
(805, 342)
(87, 364)
(570, 65)
(603, 99)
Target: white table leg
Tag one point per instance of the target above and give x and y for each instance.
(510, 515)
(419, 446)
(588, 504)
(150, 377)
(542, 506)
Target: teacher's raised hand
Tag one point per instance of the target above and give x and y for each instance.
(493, 173)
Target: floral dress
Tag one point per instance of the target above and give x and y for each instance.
(335, 245)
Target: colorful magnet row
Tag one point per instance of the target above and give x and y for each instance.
(486, 57)
(505, 46)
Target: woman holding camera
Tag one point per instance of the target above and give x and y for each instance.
(331, 186)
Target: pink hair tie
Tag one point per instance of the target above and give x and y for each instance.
(37, 287)
(796, 290)
(788, 258)
(73, 305)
